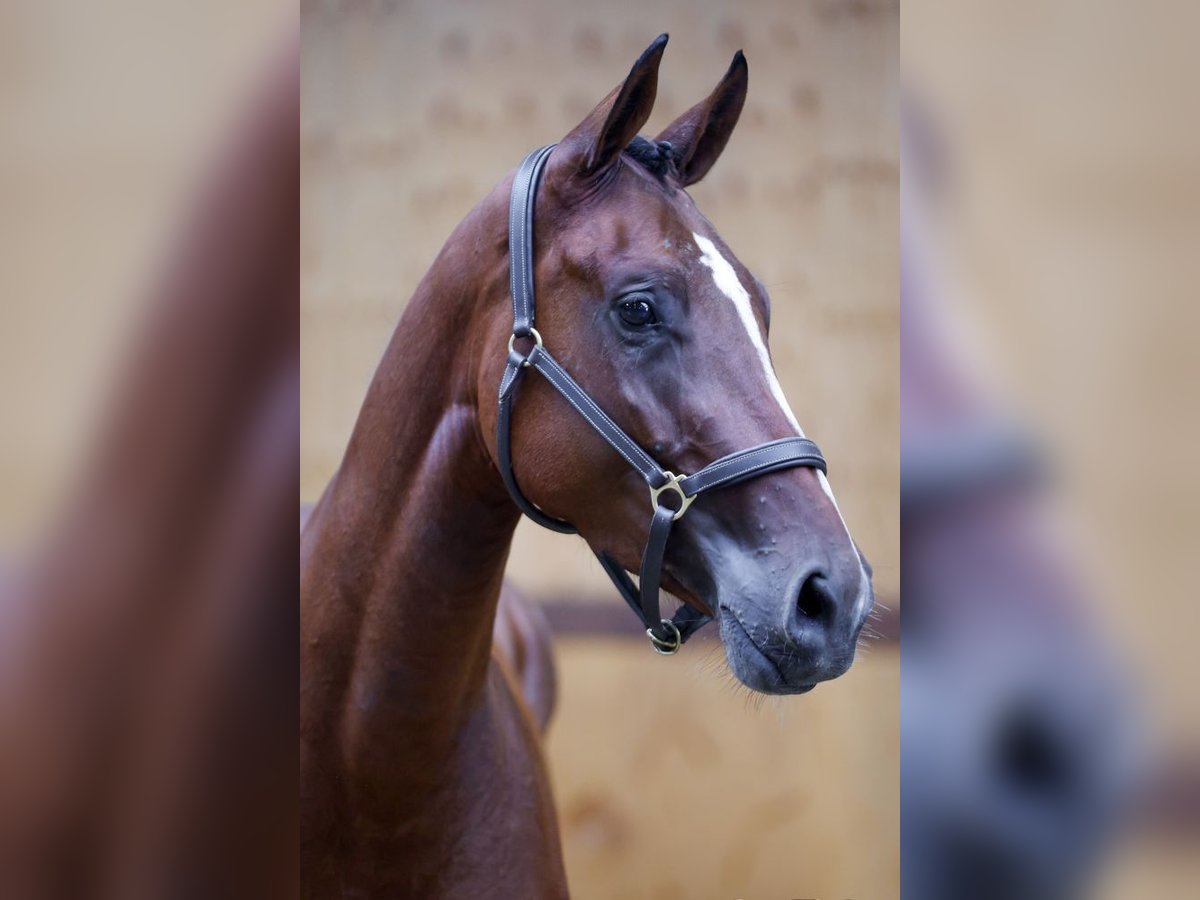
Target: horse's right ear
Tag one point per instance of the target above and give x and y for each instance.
(597, 141)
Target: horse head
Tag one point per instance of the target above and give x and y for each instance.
(641, 300)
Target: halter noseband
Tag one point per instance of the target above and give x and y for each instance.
(666, 635)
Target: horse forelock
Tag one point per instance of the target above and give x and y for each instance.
(656, 158)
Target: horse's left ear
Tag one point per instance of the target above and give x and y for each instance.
(700, 134)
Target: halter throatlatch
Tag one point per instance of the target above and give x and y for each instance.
(666, 635)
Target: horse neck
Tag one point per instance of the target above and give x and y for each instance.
(404, 555)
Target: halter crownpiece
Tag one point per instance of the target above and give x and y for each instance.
(666, 635)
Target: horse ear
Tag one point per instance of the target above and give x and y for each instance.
(700, 134)
(599, 139)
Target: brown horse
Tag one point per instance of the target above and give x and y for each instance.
(1016, 750)
(521, 643)
(422, 771)
(147, 732)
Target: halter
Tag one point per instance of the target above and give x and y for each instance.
(966, 460)
(666, 635)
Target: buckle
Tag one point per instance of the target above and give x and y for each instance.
(668, 647)
(672, 484)
(537, 342)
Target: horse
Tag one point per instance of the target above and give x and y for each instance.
(147, 649)
(422, 768)
(1016, 759)
(521, 641)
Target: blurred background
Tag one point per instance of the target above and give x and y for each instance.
(411, 112)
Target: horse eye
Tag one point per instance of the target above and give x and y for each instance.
(637, 313)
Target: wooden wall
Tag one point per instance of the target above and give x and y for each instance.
(673, 783)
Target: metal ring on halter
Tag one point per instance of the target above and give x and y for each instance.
(672, 484)
(537, 341)
(666, 648)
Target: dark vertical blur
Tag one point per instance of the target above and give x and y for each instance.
(1050, 216)
(147, 600)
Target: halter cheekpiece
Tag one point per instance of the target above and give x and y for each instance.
(670, 494)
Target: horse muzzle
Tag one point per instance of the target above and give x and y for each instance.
(789, 647)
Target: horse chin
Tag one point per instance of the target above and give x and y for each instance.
(751, 665)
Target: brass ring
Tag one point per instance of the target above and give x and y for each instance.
(665, 648)
(537, 342)
(672, 484)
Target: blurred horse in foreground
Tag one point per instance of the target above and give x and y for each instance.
(1016, 756)
(147, 650)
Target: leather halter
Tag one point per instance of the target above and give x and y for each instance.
(666, 635)
(963, 461)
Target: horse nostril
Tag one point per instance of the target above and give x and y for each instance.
(814, 600)
(1030, 755)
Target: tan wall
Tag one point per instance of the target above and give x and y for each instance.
(411, 112)
(672, 783)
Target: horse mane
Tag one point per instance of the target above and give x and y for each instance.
(656, 158)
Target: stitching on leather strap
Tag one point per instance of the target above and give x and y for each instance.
(618, 439)
(787, 454)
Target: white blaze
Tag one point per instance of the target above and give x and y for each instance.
(731, 286)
